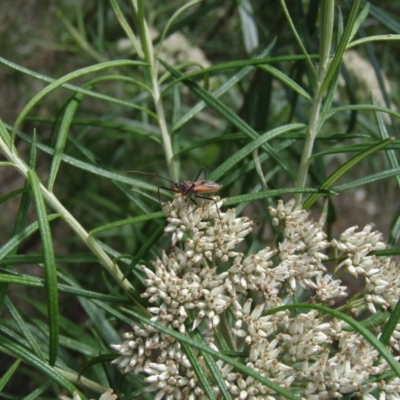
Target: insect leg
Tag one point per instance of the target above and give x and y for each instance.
(215, 202)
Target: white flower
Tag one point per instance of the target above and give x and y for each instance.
(206, 284)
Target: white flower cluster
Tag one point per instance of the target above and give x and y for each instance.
(205, 283)
(300, 251)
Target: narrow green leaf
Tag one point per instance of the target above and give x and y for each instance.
(12, 194)
(286, 80)
(78, 35)
(62, 138)
(94, 169)
(127, 221)
(8, 374)
(391, 155)
(195, 16)
(298, 39)
(368, 179)
(33, 151)
(20, 237)
(291, 135)
(31, 281)
(146, 246)
(250, 147)
(394, 229)
(193, 359)
(47, 370)
(16, 259)
(391, 324)
(127, 28)
(234, 65)
(354, 148)
(23, 210)
(35, 394)
(376, 38)
(22, 280)
(26, 333)
(327, 20)
(362, 16)
(385, 18)
(228, 114)
(214, 371)
(73, 88)
(247, 198)
(170, 22)
(248, 25)
(49, 264)
(343, 169)
(344, 41)
(59, 82)
(96, 360)
(374, 320)
(4, 135)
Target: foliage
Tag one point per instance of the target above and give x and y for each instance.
(279, 102)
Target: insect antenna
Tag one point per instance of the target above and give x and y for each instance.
(150, 173)
(160, 187)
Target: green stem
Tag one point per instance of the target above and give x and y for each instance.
(327, 19)
(148, 51)
(309, 143)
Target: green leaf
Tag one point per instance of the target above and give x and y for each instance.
(344, 41)
(94, 169)
(365, 107)
(127, 28)
(250, 147)
(59, 82)
(146, 246)
(35, 394)
(228, 114)
(384, 18)
(13, 194)
(247, 198)
(354, 148)
(286, 80)
(394, 229)
(30, 258)
(201, 376)
(22, 327)
(376, 38)
(248, 24)
(49, 264)
(127, 221)
(46, 369)
(20, 237)
(8, 374)
(391, 324)
(367, 179)
(62, 138)
(298, 39)
(343, 169)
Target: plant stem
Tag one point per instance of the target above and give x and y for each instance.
(148, 51)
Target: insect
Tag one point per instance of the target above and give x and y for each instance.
(190, 188)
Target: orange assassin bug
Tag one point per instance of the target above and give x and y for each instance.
(190, 188)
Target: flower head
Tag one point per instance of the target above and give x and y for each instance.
(206, 284)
